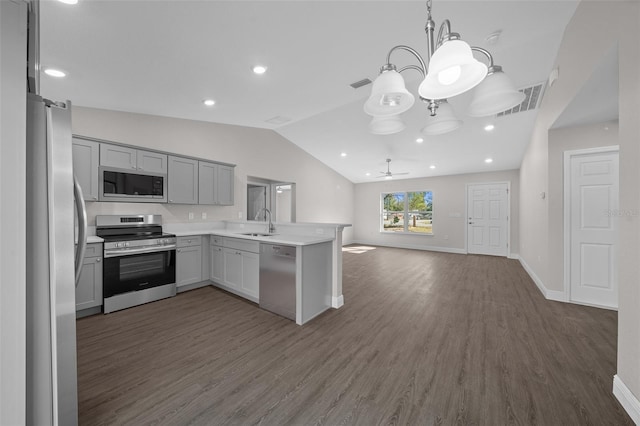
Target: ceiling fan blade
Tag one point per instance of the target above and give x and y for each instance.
(404, 173)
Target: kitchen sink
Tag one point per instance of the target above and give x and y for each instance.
(257, 234)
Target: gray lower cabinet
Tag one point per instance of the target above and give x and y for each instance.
(216, 263)
(183, 180)
(89, 288)
(215, 184)
(188, 261)
(235, 266)
(86, 157)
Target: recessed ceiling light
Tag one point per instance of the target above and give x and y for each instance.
(209, 102)
(367, 174)
(343, 154)
(259, 69)
(432, 166)
(488, 160)
(68, 1)
(54, 72)
(419, 140)
(388, 177)
(489, 127)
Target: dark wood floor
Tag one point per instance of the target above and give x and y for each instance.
(424, 338)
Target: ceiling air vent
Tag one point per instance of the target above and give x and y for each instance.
(359, 84)
(533, 96)
(278, 119)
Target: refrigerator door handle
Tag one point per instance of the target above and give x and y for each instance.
(82, 227)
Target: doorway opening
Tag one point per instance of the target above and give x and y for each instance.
(276, 196)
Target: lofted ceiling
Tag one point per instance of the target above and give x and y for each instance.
(165, 57)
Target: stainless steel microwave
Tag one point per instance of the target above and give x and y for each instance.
(124, 185)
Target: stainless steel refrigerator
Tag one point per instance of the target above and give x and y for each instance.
(52, 267)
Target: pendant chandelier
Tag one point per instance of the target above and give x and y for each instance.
(451, 70)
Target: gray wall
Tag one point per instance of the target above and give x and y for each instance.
(322, 195)
(449, 198)
(595, 28)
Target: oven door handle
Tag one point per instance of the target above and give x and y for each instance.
(126, 252)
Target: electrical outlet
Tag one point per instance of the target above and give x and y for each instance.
(190, 215)
(204, 215)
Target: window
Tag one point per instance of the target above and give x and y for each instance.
(409, 212)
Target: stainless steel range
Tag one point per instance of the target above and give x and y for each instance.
(139, 260)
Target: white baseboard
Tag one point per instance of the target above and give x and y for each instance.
(558, 296)
(627, 399)
(337, 302)
(412, 247)
(514, 256)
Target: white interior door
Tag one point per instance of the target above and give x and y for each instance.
(594, 229)
(488, 220)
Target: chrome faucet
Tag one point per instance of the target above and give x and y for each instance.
(270, 227)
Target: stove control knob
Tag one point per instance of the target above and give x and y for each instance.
(126, 244)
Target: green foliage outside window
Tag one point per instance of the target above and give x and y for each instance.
(407, 212)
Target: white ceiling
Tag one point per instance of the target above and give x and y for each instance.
(166, 57)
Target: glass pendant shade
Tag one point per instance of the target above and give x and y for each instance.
(389, 96)
(452, 70)
(494, 95)
(386, 125)
(444, 121)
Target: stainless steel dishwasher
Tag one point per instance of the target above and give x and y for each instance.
(278, 279)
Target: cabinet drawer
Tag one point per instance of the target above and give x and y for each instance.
(244, 245)
(93, 250)
(195, 240)
(216, 241)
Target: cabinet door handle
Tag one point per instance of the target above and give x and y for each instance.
(98, 260)
(179, 250)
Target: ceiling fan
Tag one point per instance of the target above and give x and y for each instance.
(388, 174)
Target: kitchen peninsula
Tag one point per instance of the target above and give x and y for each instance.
(231, 254)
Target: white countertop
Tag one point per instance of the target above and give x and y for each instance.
(292, 240)
(91, 239)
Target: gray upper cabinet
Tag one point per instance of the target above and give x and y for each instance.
(207, 179)
(151, 162)
(225, 185)
(189, 181)
(183, 180)
(118, 156)
(215, 184)
(86, 156)
(124, 157)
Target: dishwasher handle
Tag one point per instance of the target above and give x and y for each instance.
(280, 251)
